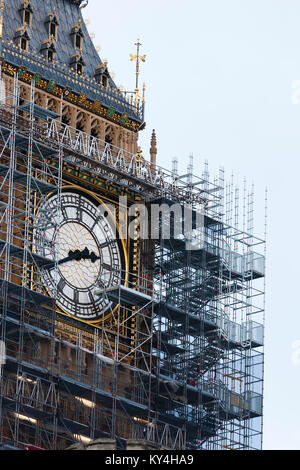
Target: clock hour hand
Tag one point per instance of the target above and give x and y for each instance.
(85, 254)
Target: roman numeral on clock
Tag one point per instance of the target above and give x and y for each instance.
(64, 212)
(107, 243)
(108, 267)
(93, 302)
(79, 213)
(96, 222)
(61, 284)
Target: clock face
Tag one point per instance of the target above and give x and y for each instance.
(88, 254)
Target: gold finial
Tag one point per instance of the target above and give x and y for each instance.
(137, 57)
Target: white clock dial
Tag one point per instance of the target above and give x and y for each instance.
(88, 254)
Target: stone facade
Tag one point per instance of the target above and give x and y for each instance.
(80, 119)
(110, 444)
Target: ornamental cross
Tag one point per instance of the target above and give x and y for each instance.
(137, 57)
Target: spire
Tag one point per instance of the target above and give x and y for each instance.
(153, 148)
(137, 57)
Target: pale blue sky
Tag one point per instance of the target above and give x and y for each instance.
(219, 80)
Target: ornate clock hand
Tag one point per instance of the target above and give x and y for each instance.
(72, 255)
(79, 255)
(85, 254)
(94, 257)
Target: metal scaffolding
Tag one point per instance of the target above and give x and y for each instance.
(180, 363)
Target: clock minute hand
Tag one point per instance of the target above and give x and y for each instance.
(73, 255)
(77, 256)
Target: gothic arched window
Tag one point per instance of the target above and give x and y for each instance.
(53, 105)
(38, 99)
(81, 121)
(95, 128)
(22, 38)
(102, 75)
(48, 49)
(66, 115)
(77, 35)
(109, 135)
(52, 24)
(26, 11)
(77, 63)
